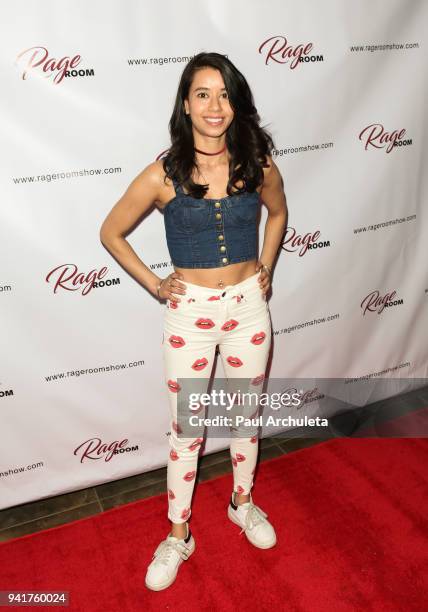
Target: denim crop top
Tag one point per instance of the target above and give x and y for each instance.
(210, 233)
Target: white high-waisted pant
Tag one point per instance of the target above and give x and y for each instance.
(237, 319)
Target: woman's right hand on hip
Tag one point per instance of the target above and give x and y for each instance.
(171, 285)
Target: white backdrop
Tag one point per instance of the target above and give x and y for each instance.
(73, 141)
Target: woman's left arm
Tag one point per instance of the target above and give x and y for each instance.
(274, 198)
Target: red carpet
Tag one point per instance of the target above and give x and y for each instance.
(411, 425)
(351, 520)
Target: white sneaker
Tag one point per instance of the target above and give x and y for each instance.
(167, 558)
(253, 521)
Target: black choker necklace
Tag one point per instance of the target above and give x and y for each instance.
(205, 153)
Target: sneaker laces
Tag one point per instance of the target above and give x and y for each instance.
(254, 516)
(163, 552)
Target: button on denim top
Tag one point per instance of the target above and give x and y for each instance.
(209, 233)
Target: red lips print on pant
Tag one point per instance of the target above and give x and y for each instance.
(171, 304)
(235, 362)
(213, 297)
(258, 379)
(240, 457)
(199, 364)
(176, 341)
(185, 514)
(204, 323)
(195, 444)
(176, 427)
(240, 489)
(254, 438)
(171, 494)
(173, 386)
(229, 325)
(189, 476)
(234, 462)
(258, 338)
(173, 455)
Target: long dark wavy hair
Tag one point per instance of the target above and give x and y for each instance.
(247, 142)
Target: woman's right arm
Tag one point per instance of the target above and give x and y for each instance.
(139, 197)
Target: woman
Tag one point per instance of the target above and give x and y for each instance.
(217, 292)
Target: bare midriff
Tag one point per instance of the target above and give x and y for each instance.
(216, 278)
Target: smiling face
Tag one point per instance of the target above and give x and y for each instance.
(208, 104)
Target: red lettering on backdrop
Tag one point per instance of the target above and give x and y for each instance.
(38, 56)
(308, 396)
(95, 449)
(299, 396)
(373, 301)
(278, 50)
(294, 240)
(68, 277)
(376, 136)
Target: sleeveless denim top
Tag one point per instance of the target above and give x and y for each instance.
(209, 233)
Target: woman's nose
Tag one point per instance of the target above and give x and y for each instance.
(214, 104)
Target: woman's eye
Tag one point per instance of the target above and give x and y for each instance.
(203, 93)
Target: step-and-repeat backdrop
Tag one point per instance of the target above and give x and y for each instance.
(87, 92)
